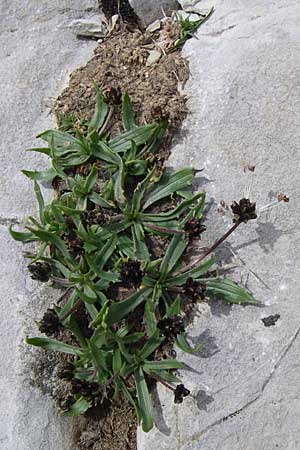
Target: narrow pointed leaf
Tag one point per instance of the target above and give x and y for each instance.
(140, 135)
(230, 291)
(40, 201)
(168, 184)
(173, 254)
(53, 344)
(127, 113)
(101, 111)
(43, 175)
(21, 236)
(144, 400)
(165, 364)
(119, 310)
(195, 273)
(183, 344)
(79, 407)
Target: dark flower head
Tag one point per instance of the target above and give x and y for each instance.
(83, 387)
(180, 393)
(194, 227)
(50, 323)
(194, 289)
(131, 272)
(243, 211)
(40, 271)
(95, 216)
(171, 327)
(66, 371)
(112, 95)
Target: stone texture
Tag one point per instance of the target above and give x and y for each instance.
(148, 11)
(244, 96)
(37, 51)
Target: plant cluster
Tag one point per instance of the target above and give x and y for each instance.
(188, 27)
(113, 194)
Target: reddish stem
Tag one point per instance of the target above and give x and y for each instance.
(160, 380)
(209, 251)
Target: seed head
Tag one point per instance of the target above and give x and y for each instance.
(171, 327)
(244, 210)
(131, 272)
(50, 323)
(82, 387)
(40, 271)
(194, 289)
(180, 393)
(194, 227)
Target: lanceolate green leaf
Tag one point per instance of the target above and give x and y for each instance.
(119, 310)
(175, 212)
(43, 175)
(22, 236)
(165, 364)
(140, 247)
(144, 400)
(140, 135)
(101, 111)
(196, 273)
(53, 344)
(230, 291)
(40, 200)
(98, 260)
(150, 346)
(168, 184)
(127, 113)
(183, 344)
(64, 143)
(79, 407)
(52, 238)
(173, 254)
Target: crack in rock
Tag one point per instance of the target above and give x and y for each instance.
(257, 397)
(9, 221)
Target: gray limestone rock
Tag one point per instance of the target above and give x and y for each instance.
(148, 11)
(89, 28)
(37, 52)
(244, 96)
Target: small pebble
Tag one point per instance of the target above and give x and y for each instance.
(270, 320)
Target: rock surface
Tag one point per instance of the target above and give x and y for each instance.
(148, 11)
(37, 51)
(244, 97)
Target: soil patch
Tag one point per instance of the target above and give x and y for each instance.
(120, 64)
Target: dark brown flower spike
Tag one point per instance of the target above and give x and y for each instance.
(194, 227)
(194, 290)
(131, 273)
(82, 387)
(243, 211)
(170, 327)
(50, 323)
(180, 392)
(40, 271)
